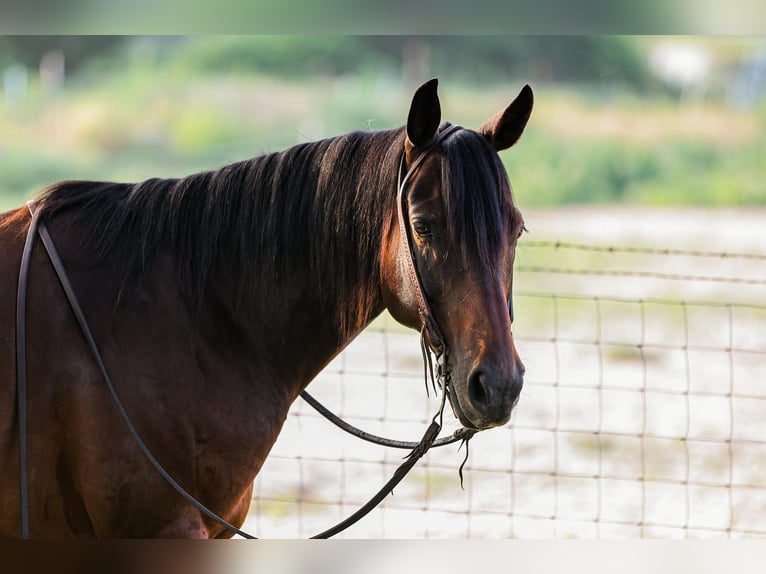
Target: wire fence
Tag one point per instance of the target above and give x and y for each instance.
(642, 413)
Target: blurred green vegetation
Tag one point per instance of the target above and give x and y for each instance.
(604, 129)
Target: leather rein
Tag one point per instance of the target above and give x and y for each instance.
(432, 341)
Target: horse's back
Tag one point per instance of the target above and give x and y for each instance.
(12, 227)
(44, 425)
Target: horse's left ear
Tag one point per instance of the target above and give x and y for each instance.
(424, 117)
(504, 128)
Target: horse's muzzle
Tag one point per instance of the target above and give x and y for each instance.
(488, 397)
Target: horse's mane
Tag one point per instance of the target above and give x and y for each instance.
(254, 225)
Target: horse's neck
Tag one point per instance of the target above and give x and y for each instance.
(305, 322)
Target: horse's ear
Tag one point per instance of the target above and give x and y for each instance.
(504, 128)
(424, 117)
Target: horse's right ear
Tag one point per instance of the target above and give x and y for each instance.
(424, 117)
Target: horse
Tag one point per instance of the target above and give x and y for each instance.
(216, 298)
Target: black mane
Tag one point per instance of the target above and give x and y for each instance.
(317, 208)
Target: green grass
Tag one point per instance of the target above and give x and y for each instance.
(675, 170)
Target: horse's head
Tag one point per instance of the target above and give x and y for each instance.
(460, 221)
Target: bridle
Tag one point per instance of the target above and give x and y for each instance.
(432, 341)
(432, 337)
(431, 332)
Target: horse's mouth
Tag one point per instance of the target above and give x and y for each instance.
(457, 410)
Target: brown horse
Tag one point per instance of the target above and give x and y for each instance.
(217, 298)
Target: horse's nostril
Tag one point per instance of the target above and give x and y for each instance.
(477, 389)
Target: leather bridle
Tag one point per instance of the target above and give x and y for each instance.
(432, 341)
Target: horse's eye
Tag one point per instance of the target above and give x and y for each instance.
(421, 228)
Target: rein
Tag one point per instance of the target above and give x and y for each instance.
(432, 341)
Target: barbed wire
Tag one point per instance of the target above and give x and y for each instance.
(642, 250)
(641, 274)
(641, 300)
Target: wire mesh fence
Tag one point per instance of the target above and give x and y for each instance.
(641, 416)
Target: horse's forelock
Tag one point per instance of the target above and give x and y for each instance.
(477, 197)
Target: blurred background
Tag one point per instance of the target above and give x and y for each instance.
(119, 107)
(639, 290)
